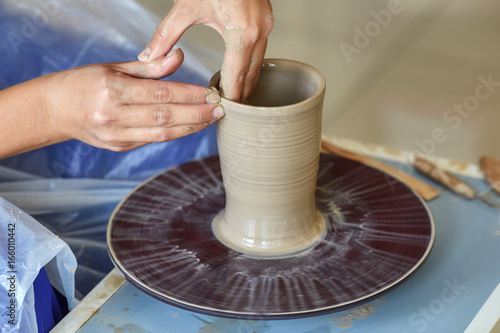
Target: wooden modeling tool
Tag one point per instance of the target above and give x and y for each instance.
(426, 191)
(491, 170)
(454, 184)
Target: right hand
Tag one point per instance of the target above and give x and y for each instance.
(244, 25)
(120, 107)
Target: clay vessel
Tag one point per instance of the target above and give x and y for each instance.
(269, 153)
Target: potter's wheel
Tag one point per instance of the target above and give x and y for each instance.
(160, 238)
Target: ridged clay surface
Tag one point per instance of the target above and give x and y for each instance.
(269, 152)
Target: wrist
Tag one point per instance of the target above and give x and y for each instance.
(54, 128)
(27, 123)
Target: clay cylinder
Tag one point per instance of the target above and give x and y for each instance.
(269, 153)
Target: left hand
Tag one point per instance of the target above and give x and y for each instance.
(122, 106)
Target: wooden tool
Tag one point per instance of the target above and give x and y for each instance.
(426, 191)
(430, 169)
(491, 170)
(456, 185)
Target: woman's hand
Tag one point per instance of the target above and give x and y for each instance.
(118, 107)
(244, 25)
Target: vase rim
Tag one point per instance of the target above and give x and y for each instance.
(289, 108)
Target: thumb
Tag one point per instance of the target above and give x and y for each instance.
(156, 69)
(167, 34)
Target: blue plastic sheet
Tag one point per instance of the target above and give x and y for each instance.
(72, 188)
(27, 246)
(32, 49)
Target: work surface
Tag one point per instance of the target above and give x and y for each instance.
(444, 295)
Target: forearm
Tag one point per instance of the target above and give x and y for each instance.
(25, 123)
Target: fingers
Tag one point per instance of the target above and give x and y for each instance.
(127, 90)
(136, 125)
(241, 66)
(156, 69)
(167, 34)
(170, 115)
(159, 134)
(244, 25)
(245, 51)
(254, 68)
(131, 138)
(144, 110)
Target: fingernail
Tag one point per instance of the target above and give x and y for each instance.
(213, 96)
(218, 112)
(145, 55)
(173, 51)
(169, 57)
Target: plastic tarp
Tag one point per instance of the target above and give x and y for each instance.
(27, 247)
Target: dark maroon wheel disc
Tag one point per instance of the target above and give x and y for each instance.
(160, 237)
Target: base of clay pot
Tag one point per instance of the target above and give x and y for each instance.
(275, 245)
